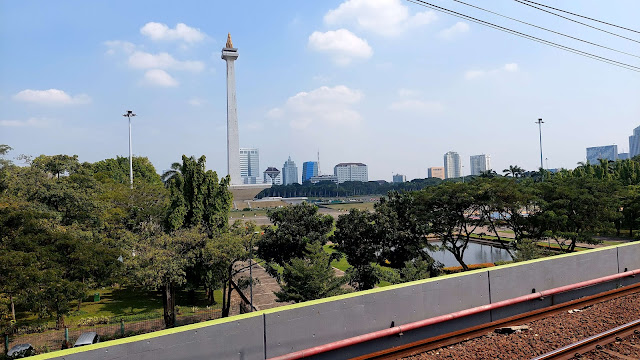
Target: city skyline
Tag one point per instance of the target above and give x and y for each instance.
(70, 77)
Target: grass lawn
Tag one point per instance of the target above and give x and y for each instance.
(127, 302)
(346, 207)
(341, 264)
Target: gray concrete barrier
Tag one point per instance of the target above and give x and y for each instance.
(282, 330)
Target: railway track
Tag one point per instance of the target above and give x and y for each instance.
(481, 330)
(597, 343)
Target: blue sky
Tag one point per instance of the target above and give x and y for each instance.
(384, 82)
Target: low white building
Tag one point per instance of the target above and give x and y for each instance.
(351, 172)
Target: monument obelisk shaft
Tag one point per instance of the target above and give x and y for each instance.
(230, 54)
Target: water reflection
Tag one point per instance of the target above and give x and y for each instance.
(475, 254)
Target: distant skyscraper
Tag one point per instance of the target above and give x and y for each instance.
(452, 165)
(436, 172)
(480, 164)
(289, 172)
(309, 170)
(608, 152)
(397, 178)
(623, 156)
(249, 165)
(634, 143)
(351, 172)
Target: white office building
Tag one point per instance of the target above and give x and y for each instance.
(250, 165)
(290, 172)
(351, 172)
(480, 164)
(634, 143)
(452, 165)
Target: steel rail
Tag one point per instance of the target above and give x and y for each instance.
(447, 317)
(455, 337)
(594, 342)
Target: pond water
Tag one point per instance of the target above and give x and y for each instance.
(475, 254)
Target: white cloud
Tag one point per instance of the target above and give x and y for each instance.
(330, 106)
(415, 105)
(402, 92)
(342, 45)
(51, 97)
(454, 31)
(511, 67)
(159, 77)
(475, 74)
(383, 17)
(143, 60)
(31, 122)
(161, 32)
(118, 45)
(197, 101)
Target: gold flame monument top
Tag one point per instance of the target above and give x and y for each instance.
(229, 43)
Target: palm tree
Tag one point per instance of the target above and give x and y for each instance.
(514, 171)
(176, 169)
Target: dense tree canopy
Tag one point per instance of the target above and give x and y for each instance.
(294, 228)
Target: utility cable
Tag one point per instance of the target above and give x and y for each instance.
(576, 21)
(523, 35)
(549, 30)
(585, 17)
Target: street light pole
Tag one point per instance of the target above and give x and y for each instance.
(540, 122)
(129, 114)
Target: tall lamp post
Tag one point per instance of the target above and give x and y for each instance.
(129, 114)
(540, 122)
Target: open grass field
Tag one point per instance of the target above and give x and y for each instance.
(346, 207)
(127, 302)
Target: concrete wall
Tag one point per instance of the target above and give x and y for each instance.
(282, 330)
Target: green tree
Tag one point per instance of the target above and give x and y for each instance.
(198, 198)
(160, 261)
(56, 164)
(403, 233)
(311, 277)
(358, 238)
(449, 210)
(118, 170)
(574, 209)
(294, 228)
(514, 171)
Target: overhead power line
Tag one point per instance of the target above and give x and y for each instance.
(582, 16)
(526, 36)
(545, 29)
(578, 22)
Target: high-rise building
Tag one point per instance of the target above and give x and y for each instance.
(480, 164)
(289, 172)
(634, 143)
(397, 178)
(351, 172)
(249, 165)
(272, 176)
(309, 170)
(436, 172)
(623, 156)
(608, 152)
(452, 165)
